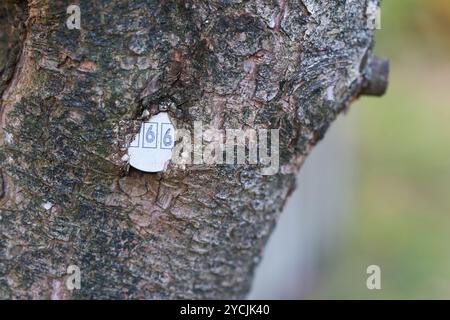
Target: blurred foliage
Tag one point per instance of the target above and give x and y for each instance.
(402, 219)
(417, 27)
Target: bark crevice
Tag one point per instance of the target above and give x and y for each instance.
(13, 16)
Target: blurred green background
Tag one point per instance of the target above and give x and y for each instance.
(401, 219)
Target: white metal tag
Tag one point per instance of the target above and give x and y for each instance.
(152, 148)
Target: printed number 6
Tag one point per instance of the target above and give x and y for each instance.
(167, 140)
(150, 136)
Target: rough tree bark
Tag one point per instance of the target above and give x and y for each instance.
(66, 197)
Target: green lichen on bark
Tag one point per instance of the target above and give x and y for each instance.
(193, 233)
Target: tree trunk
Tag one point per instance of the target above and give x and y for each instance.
(67, 194)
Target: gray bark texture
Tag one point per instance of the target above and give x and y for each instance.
(66, 196)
